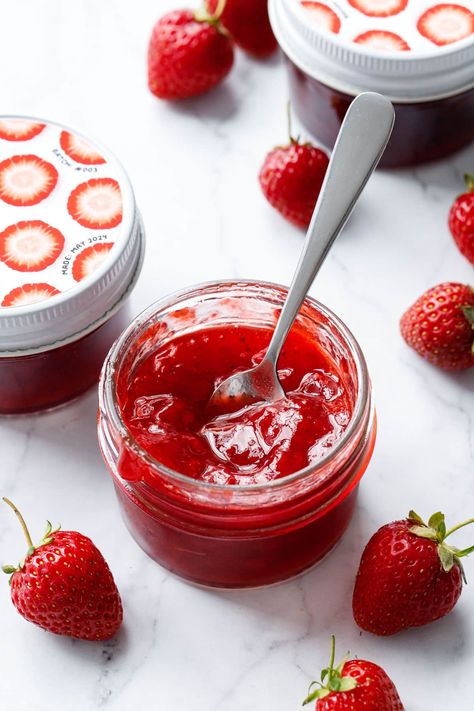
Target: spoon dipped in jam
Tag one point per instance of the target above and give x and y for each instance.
(360, 144)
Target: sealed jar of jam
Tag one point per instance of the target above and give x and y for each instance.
(419, 53)
(71, 248)
(250, 496)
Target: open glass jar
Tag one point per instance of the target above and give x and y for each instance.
(420, 54)
(234, 536)
(71, 249)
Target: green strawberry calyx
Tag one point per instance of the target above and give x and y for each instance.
(202, 14)
(48, 537)
(469, 182)
(435, 530)
(332, 679)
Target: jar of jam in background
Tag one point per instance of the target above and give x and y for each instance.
(71, 249)
(221, 535)
(415, 53)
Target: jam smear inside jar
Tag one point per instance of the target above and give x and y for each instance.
(165, 406)
(243, 498)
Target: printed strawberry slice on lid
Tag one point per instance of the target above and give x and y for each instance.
(323, 16)
(383, 40)
(79, 149)
(379, 8)
(19, 129)
(446, 23)
(30, 246)
(26, 180)
(96, 204)
(29, 294)
(90, 259)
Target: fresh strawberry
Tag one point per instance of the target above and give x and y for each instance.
(461, 220)
(354, 685)
(79, 149)
(379, 8)
(291, 178)
(29, 294)
(408, 575)
(384, 40)
(323, 16)
(90, 259)
(446, 23)
(19, 129)
(96, 204)
(26, 180)
(248, 24)
(65, 586)
(439, 326)
(30, 246)
(188, 54)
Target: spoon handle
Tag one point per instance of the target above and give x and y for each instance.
(361, 141)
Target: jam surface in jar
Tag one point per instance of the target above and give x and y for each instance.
(164, 406)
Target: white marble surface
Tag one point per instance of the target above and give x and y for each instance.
(194, 169)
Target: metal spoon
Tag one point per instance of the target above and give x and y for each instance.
(361, 141)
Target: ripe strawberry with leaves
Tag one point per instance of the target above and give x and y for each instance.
(408, 575)
(352, 686)
(461, 220)
(65, 586)
(291, 178)
(439, 326)
(189, 53)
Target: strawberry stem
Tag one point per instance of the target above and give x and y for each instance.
(460, 525)
(469, 180)
(288, 115)
(333, 654)
(202, 14)
(220, 9)
(332, 680)
(21, 520)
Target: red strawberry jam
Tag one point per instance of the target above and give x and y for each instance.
(251, 497)
(165, 407)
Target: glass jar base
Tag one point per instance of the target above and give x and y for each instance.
(248, 588)
(236, 564)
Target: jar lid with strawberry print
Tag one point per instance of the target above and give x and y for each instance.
(408, 50)
(71, 238)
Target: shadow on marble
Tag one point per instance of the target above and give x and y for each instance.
(103, 654)
(220, 104)
(464, 379)
(70, 429)
(445, 173)
(322, 595)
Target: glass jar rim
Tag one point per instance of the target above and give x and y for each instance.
(109, 406)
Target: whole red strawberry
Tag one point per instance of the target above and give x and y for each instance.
(408, 575)
(188, 54)
(291, 178)
(248, 23)
(461, 220)
(65, 586)
(352, 686)
(439, 326)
